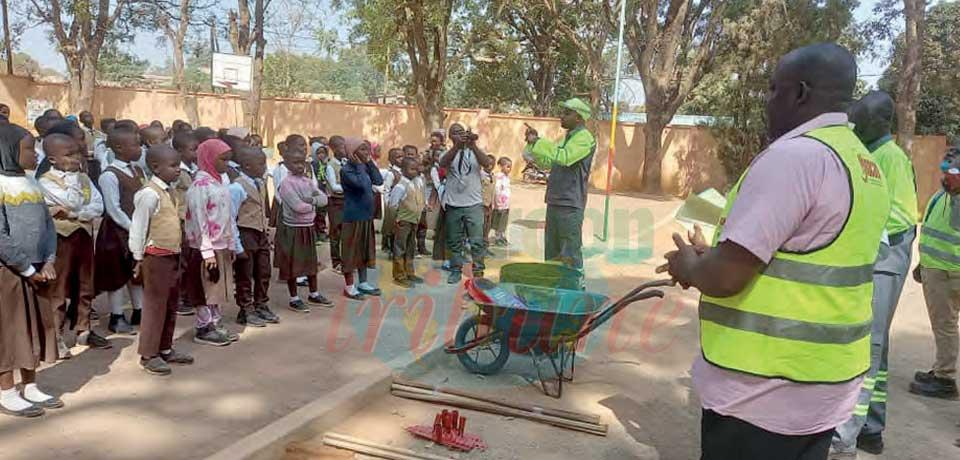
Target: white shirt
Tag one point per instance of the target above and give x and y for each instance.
(146, 204)
(110, 186)
(71, 197)
(389, 179)
(102, 153)
(191, 169)
(399, 192)
(38, 149)
(333, 179)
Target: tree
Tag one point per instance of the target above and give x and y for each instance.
(757, 34)
(908, 86)
(537, 33)
(80, 29)
(119, 67)
(26, 66)
(174, 20)
(672, 45)
(588, 37)
(243, 37)
(938, 104)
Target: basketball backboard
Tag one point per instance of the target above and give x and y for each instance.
(231, 71)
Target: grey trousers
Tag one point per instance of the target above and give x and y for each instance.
(563, 235)
(870, 414)
(465, 223)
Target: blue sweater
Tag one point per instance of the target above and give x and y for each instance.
(358, 182)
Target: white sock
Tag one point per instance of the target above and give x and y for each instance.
(33, 394)
(352, 290)
(11, 400)
(136, 296)
(115, 299)
(166, 352)
(314, 293)
(295, 298)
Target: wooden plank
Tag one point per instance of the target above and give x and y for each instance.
(330, 436)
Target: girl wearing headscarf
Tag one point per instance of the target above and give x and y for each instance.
(358, 241)
(28, 245)
(211, 230)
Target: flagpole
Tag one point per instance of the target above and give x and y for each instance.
(611, 148)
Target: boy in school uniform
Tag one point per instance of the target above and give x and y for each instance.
(335, 201)
(113, 262)
(390, 178)
(489, 192)
(407, 201)
(73, 203)
(252, 268)
(185, 143)
(155, 239)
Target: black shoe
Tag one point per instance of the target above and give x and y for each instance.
(454, 278)
(135, 317)
(266, 314)
(415, 279)
(186, 310)
(119, 325)
(211, 336)
(924, 377)
(176, 357)
(155, 366)
(298, 306)
(230, 335)
(870, 443)
(250, 319)
(937, 388)
(319, 299)
(92, 340)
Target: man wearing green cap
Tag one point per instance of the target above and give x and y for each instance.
(569, 164)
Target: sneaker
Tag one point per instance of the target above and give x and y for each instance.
(319, 299)
(155, 366)
(230, 335)
(185, 310)
(298, 306)
(454, 278)
(353, 296)
(266, 314)
(30, 412)
(63, 351)
(368, 289)
(119, 325)
(937, 388)
(135, 317)
(211, 336)
(176, 357)
(404, 283)
(250, 319)
(415, 279)
(92, 340)
(870, 443)
(837, 454)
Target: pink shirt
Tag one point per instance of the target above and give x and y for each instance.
(796, 196)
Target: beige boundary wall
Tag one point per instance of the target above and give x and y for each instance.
(690, 163)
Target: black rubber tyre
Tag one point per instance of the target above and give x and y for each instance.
(485, 359)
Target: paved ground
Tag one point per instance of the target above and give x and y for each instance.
(635, 372)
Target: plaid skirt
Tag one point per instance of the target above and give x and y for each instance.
(296, 251)
(358, 245)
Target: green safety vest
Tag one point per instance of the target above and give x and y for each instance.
(939, 242)
(903, 199)
(806, 317)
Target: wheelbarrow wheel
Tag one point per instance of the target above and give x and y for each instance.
(483, 359)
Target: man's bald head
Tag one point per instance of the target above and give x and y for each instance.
(872, 116)
(807, 83)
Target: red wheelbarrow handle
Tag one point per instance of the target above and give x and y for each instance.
(637, 294)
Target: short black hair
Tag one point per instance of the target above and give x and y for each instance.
(127, 124)
(504, 161)
(157, 152)
(44, 123)
(66, 127)
(243, 154)
(407, 161)
(204, 133)
(294, 136)
(182, 138)
(118, 133)
(411, 147)
(104, 122)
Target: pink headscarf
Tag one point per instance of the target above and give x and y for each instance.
(374, 150)
(207, 154)
(352, 144)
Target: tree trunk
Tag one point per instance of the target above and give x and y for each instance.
(187, 101)
(652, 157)
(908, 87)
(256, 83)
(431, 112)
(88, 81)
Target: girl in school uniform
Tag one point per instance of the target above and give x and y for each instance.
(359, 245)
(28, 246)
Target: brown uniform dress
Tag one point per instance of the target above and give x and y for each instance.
(112, 261)
(251, 269)
(161, 270)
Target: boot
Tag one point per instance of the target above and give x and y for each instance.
(937, 387)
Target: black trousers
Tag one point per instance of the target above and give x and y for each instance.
(729, 438)
(251, 270)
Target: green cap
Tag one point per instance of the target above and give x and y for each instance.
(577, 105)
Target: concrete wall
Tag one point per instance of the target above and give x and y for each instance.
(689, 164)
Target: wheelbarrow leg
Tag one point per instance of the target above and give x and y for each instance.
(543, 382)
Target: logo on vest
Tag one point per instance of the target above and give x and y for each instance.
(871, 172)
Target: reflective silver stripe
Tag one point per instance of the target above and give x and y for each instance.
(783, 328)
(821, 275)
(932, 232)
(938, 254)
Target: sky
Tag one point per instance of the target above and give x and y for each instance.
(146, 45)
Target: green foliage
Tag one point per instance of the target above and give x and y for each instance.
(351, 75)
(758, 33)
(119, 67)
(938, 108)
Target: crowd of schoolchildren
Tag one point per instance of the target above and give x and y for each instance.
(177, 219)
